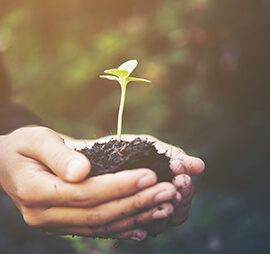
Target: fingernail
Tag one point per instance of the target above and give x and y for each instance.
(146, 181)
(163, 211)
(181, 181)
(160, 214)
(163, 196)
(72, 169)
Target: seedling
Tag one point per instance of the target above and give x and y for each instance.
(121, 74)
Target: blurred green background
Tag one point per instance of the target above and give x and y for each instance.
(209, 62)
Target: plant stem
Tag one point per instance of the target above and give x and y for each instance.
(121, 109)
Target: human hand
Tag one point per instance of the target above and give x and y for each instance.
(182, 165)
(46, 181)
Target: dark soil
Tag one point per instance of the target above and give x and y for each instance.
(114, 156)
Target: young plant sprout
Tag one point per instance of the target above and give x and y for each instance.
(121, 74)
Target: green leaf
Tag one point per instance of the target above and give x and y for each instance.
(121, 74)
(137, 79)
(128, 66)
(110, 77)
(118, 73)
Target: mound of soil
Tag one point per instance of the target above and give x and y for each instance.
(114, 156)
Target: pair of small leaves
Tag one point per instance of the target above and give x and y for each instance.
(121, 74)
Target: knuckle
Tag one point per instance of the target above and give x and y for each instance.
(94, 219)
(138, 201)
(81, 197)
(168, 208)
(119, 187)
(32, 220)
(25, 196)
(43, 130)
(57, 158)
(38, 133)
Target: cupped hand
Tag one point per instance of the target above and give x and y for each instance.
(181, 164)
(46, 181)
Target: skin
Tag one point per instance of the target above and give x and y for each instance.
(182, 165)
(46, 180)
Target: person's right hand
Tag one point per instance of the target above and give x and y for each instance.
(46, 181)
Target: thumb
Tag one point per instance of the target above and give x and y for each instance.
(49, 148)
(184, 163)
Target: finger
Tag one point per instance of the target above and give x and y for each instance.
(185, 186)
(177, 199)
(180, 161)
(136, 234)
(182, 210)
(183, 163)
(188, 163)
(180, 215)
(178, 167)
(93, 191)
(182, 182)
(105, 213)
(48, 147)
(137, 221)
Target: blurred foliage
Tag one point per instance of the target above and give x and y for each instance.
(209, 65)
